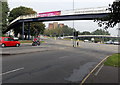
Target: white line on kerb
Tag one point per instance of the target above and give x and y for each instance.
(99, 70)
(93, 70)
(11, 71)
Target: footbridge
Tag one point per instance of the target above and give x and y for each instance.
(62, 15)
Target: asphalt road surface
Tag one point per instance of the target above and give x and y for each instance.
(56, 66)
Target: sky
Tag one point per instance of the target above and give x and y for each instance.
(56, 5)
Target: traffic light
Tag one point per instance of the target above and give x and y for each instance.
(76, 34)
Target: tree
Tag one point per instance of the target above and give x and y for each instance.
(86, 33)
(16, 12)
(68, 31)
(4, 16)
(64, 31)
(36, 27)
(113, 18)
(100, 32)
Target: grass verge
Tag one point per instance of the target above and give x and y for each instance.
(113, 60)
(25, 41)
(29, 41)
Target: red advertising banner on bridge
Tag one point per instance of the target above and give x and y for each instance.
(47, 14)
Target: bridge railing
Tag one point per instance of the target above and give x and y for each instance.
(86, 11)
(28, 16)
(90, 36)
(24, 17)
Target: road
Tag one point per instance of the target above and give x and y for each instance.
(56, 66)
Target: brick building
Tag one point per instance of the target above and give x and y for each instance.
(55, 25)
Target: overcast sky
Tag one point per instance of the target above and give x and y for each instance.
(55, 5)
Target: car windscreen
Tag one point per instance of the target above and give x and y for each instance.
(8, 39)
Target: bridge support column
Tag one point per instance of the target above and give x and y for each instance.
(28, 31)
(23, 25)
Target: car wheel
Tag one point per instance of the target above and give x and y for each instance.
(17, 45)
(3, 45)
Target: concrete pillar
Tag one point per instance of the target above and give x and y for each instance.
(23, 25)
(28, 31)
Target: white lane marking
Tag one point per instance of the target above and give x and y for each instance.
(99, 70)
(63, 57)
(11, 71)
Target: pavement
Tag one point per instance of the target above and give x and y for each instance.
(107, 74)
(102, 74)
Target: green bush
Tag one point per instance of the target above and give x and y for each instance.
(3, 35)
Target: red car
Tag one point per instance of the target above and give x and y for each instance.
(8, 41)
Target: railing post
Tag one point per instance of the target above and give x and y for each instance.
(23, 30)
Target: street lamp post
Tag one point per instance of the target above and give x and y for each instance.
(73, 28)
(119, 29)
(118, 35)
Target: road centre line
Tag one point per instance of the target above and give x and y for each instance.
(11, 71)
(63, 57)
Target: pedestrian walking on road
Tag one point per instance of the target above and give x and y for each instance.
(77, 43)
